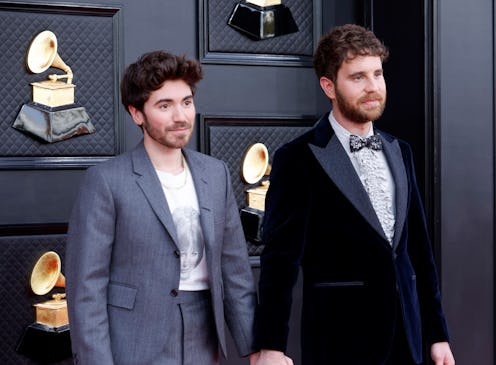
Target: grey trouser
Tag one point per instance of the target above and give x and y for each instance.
(195, 340)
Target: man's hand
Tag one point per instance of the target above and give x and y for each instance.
(272, 357)
(441, 354)
(254, 357)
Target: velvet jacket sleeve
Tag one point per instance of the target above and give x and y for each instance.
(283, 237)
(420, 252)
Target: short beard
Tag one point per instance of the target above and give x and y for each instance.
(161, 136)
(353, 113)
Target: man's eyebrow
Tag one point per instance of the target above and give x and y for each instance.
(168, 100)
(357, 73)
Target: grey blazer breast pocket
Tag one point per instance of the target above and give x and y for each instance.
(122, 296)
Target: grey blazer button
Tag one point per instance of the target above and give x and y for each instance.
(174, 293)
(177, 253)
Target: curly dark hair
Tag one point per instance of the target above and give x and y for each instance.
(344, 43)
(149, 73)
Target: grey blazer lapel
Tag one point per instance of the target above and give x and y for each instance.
(336, 163)
(396, 164)
(202, 179)
(149, 183)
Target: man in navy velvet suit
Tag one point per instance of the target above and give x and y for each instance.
(343, 205)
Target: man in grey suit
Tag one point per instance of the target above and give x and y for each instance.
(156, 258)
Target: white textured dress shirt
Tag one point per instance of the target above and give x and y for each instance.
(373, 170)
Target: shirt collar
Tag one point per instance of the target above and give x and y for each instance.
(343, 134)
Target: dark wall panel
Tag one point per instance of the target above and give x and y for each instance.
(404, 72)
(466, 102)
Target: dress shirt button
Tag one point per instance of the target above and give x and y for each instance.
(174, 293)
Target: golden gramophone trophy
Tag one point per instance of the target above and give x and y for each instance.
(262, 19)
(255, 168)
(52, 115)
(45, 276)
(47, 340)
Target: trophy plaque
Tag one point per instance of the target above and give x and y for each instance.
(52, 115)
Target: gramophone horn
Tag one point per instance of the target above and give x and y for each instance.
(255, 163)
(42, 54)
(46, 273)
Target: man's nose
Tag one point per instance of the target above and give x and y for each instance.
(178, 113)
(372, 84)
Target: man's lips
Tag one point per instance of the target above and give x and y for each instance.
(372, 102)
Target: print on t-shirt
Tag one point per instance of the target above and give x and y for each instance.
(190, 238)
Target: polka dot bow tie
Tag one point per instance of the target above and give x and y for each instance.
(372, 142)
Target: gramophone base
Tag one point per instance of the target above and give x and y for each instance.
(53, 124)
(256, 197)
(52, 313)
(251, 220)
(45, 344)
(259, 23)
(53, 93)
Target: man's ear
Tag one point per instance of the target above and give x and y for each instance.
(328, 87)
(137, 115)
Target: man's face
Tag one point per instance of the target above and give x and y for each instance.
(168, 115)
(360, 90)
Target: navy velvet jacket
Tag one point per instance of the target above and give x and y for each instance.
(355, 284)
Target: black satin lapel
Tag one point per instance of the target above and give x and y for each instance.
(336, 163)
(394, 157)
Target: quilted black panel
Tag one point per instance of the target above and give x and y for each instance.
(18, 255)
(223, 38)
(229, 143)
(86, 43)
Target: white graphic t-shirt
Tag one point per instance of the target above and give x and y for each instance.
(181, 197)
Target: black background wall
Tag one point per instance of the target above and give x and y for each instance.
(465, 102)
(440, 99)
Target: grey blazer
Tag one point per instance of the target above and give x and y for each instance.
(122, 267)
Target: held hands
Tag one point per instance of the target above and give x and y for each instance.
(441, 354)
(270, 357)
(254, 357)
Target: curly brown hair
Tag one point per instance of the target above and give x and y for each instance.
(149, 73)
(343, 43)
